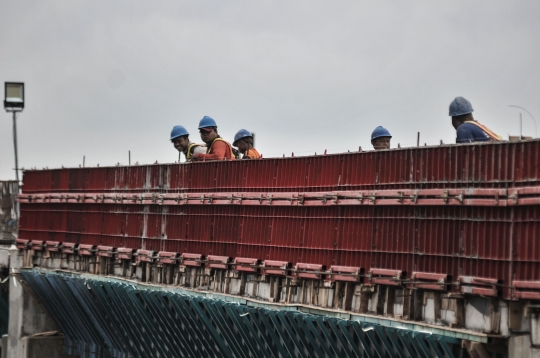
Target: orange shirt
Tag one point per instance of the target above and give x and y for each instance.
(252, 153)
(218, 150)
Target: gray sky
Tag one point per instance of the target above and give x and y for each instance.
(106, 77)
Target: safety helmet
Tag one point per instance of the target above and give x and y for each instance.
(207, 122)
(459, 107)
(242, 133)
(380, 132)
(178, 131)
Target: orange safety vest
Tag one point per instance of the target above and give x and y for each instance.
(252, 153)
(489, 132)
(209, 149)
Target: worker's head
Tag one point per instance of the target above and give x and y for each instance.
(208, 129)
(180, 138)
(380, 138)
(460, 110)
(243, 140)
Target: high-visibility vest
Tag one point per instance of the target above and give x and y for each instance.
(209, 149)
(254, 152)
(489, 132)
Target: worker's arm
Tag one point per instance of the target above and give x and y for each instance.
(219, 150)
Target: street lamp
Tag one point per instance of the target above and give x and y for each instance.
(535, 129)
(14, 102)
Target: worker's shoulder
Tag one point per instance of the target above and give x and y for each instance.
(468, 127)
(221, 143)
(470, 131)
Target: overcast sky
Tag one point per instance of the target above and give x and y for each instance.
(105, 77)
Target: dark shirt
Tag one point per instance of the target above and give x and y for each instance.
(468, 133)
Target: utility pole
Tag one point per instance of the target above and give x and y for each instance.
(15, 146)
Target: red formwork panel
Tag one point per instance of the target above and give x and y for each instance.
(436, 264)
(259, 174)
(290, 173)
(177, 176)
(225, 224)
(320, 230)
(93, 223)
(486, 233)
(490, 239)
(322, 172)
(229, 174)
(394, 168)
(479, 165)
(177, 223)
(527, 156)
(203, 175)
(358, 170)
(526, 235)
(393, 229)
(287, 227)
(356, 228)
(255, 227)
(392, 261)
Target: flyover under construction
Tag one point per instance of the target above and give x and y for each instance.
(413, 252)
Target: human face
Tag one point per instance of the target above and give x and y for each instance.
(181, 143)
(381, 143)
(456, 122)
(242, 145)
(208, 136)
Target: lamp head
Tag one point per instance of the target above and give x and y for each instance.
(14, 96)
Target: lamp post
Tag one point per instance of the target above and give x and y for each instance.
(14, 102)
(535, 129)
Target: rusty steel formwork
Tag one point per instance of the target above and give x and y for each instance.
(462, 218)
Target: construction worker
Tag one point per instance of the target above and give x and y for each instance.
(380, 138)
(243, 140)
(180, 140)
(216, 147)
(467, 129)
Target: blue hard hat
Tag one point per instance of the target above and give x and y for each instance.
(459, 107)
(207, 122)
(380, 132)
(242, 133)
(178, 131)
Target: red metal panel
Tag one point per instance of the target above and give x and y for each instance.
(478, 286)
(272, 267)
(69, 247)
(218, 262)
(105, 251)
(53, 246)
(244, 264)
(429, 281)
(145, 255)
(344, 273)
(527, 290)
(382, 276)
(86, 250)
(308, 271)
(22, 244)
(165, 257)
(192, 259)
(472, 230)
(125, 253)
(37, 245)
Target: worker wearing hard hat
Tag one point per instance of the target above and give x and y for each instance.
(180, 140)
(380, 138)
(243, 140)
(467, 129)
(216, 147)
